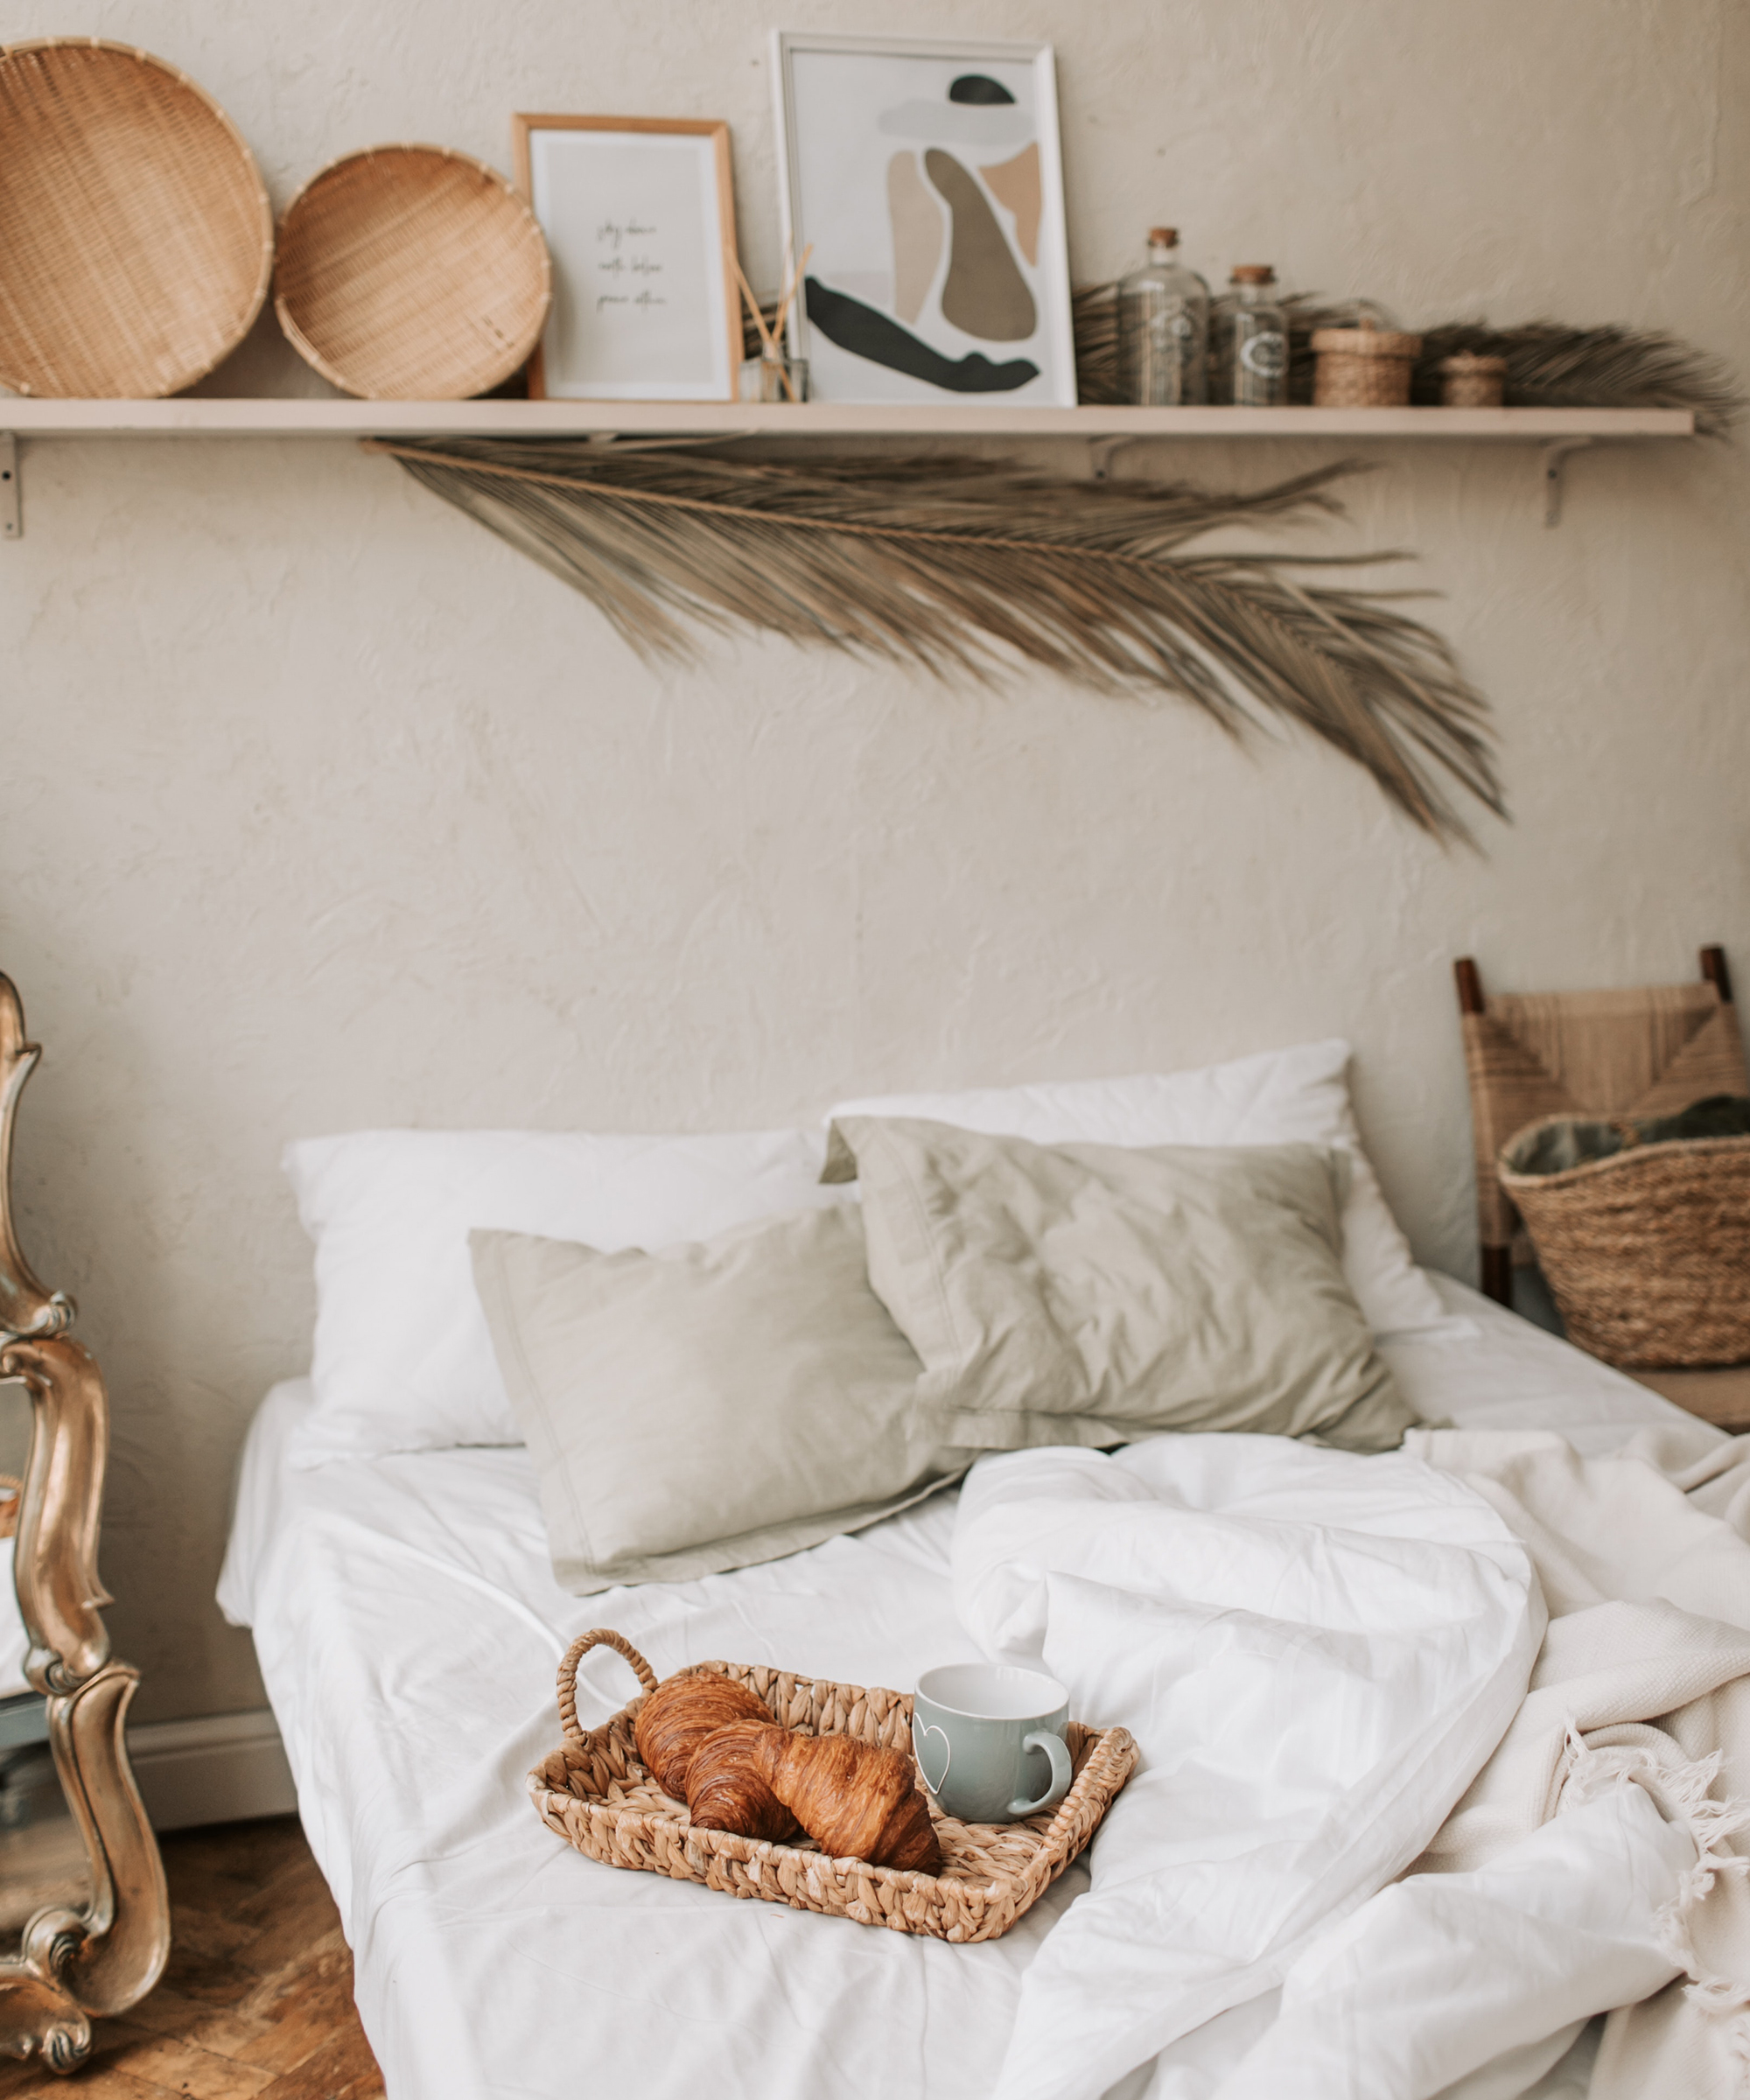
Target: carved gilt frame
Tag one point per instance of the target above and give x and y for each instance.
(72, 1965)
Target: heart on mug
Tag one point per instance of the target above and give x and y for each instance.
(920, 1737)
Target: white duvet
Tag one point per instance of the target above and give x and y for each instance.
(1316, 1652)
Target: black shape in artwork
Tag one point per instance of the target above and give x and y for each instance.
(865, 331)
(979, 88)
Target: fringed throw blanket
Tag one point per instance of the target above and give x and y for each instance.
(1644, 1681)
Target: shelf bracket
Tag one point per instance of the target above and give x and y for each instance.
(1103, 450)
(11, 489)
(1555, 462)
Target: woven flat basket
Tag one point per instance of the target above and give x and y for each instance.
(1647, 1254)
(135, 237)
(593, 1792)
(410, 273)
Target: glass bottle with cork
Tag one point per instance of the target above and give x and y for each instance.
(1163, 328)
(1248, 356)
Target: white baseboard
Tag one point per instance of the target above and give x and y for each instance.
(224, 1767)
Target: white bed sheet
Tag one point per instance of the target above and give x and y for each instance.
(15, 1643)
(408, 1625)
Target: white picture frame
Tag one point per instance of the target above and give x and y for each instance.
(639, 215)
(927, 177)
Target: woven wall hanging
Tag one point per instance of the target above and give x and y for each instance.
(964, 566)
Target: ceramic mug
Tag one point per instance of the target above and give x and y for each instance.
(988, 1737)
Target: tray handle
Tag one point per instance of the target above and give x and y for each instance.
(600, 1636)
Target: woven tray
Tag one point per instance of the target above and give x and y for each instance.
(135, 228)
(411, 273)
(593, 1792)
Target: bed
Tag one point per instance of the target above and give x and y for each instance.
(407, 1623)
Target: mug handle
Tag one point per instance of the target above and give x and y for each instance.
(1058, 1751)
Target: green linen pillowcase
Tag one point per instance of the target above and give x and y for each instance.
(1092, 1294)
(715, 1404)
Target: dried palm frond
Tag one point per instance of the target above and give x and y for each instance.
(1094, 321)
(1553, 367)
(962, 565)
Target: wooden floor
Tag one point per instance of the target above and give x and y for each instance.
(257, 2001)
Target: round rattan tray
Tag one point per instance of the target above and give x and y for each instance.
(410, 273)
(135, 234)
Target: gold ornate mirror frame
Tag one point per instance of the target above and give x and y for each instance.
(71, 1965)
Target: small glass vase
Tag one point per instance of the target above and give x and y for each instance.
(762, 379)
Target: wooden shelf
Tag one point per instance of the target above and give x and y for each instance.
(340, 419)
(1557, 431)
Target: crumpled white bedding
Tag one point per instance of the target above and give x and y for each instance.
(1316, 1653)
(408, 1625)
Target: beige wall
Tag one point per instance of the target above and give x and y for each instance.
(321, 808)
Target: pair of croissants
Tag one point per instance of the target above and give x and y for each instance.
(709, 1741)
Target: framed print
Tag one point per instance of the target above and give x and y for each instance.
(925, 178)
(640, 218)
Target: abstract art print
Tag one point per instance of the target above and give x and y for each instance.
(923, 182)
(640, 219)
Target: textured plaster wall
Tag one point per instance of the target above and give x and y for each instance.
(321, 808)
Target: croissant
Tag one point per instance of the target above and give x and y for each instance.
(678, 1716)
(855, 1800)
(724, 1792)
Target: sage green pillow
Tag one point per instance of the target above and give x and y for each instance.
(715, 1404)
(1092, 1294)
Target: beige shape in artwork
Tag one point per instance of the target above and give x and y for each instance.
(985, 294)
(1015, 185)
(916, 220)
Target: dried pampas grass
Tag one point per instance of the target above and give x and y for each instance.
(962, 565)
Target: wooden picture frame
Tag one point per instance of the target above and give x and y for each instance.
(645, 300)
(927, 177)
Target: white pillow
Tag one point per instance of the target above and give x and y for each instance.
(1272, 1099)
(403, 1360)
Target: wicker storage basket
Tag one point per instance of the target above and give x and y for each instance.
(135, 238)
(593, 1792)
(1646, 1253)
(1363, 368)
(410, 273)
(1470, 382)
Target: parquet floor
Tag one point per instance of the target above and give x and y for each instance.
(257, 2001)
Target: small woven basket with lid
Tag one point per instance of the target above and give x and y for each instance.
(1363, 368)
(1646, 1253)
(135, 238)
(1470, 382)
(595, 1794)
(411, 273)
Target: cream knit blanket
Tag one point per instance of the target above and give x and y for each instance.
(1643, 1678)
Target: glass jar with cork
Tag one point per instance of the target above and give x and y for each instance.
(1163, 328)
(1249, 341)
